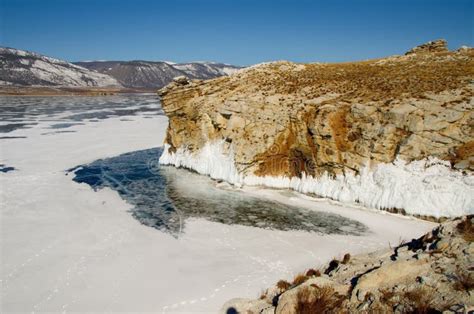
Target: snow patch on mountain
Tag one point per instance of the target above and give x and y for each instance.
(157, 74)
(24, 68)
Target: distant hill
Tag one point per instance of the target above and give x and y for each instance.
(24, 68)
(153, 75)
(19, 68)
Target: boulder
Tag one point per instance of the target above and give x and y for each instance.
(181, 80)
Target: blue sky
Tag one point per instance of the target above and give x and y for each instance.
(239, 32)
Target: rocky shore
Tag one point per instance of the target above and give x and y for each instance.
(431, 274)
(393, 133)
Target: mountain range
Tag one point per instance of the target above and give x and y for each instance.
(20, 68)
(156, 74)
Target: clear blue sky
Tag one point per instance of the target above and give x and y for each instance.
(232, 31)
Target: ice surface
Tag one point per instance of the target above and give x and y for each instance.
(21, 112)
(67, 248)
(424, 187)
(165, 197)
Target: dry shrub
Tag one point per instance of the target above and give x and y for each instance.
(466, 229)
(299, 279)
(464, 281)
(312, 299)
(346, 258)
(386, 296)
(420, 300)
(283, 285)
(379, 307)
(313, 273)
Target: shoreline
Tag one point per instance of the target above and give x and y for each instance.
(26, 91)
(86, 240)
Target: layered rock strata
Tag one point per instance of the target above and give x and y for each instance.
(393, 133)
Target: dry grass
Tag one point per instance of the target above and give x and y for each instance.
(466, 228)
(367, 80)
(464, 281)
(313, 273)
(313, 299)
(386, 296)
(283, 285)
(420, 300)
(299, 279)
(346, 258)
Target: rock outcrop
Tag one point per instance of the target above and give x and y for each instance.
(439, 45)
(431, 274)
(393, 133)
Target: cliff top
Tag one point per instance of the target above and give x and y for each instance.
(428, 68)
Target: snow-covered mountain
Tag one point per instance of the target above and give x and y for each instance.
(152, 75)
(206, 69)
(24, 68)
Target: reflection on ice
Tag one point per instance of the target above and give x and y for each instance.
(164, 197)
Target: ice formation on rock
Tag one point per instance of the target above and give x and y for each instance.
(424, 187)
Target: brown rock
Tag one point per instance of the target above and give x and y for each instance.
(439, 45)
(333, 118)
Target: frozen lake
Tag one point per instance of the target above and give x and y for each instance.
(165, 197)
(90, 222)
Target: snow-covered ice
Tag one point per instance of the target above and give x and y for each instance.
(66, 248)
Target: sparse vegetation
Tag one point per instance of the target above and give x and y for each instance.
(374, 79)
(466, 228)
(299, 279)
(464, 281)
(386, 296)
(346, 258)
(396, 281)
(313, 299)
(313, 273)
(420, 300)
(283, 285)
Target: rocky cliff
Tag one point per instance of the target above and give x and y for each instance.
(393, 133)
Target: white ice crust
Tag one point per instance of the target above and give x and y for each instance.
(425, 187)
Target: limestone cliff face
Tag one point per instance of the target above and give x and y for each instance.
(296, 120)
